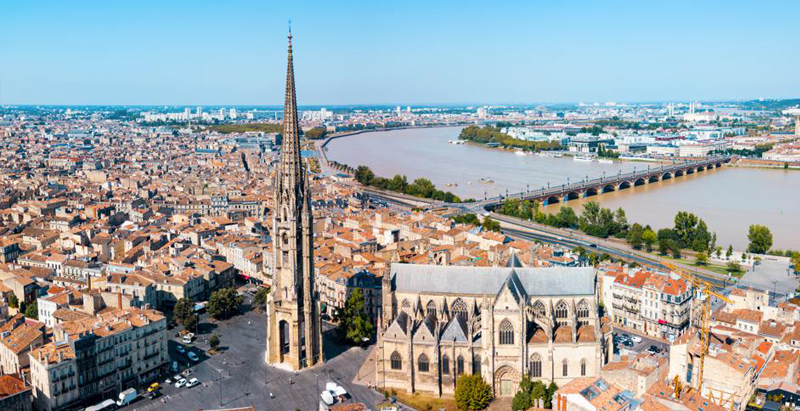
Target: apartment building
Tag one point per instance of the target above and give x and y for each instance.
(97, 357)
(17, 338)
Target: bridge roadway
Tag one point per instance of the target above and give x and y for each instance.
(587, 188)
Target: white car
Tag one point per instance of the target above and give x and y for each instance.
(192, 383)
(192, 356)
(636, 339)
(180, 383)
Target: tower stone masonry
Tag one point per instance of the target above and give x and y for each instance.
(294, 334)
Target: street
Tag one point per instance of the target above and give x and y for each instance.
(238, 376)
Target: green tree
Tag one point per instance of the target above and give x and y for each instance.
(649, 238)
(184, 314)
(354, 325)
(472, 393)
(551, 391)
(315, 133)
(734, 267)
(224, 303)
(491, 225)
(566, 218)
(718, 252)
(760, 239)
(213, 341)
(729, 253)
(260, 299)
(13, 301)
(701, 258)
(364, 175)
(796, 261)
(635, 236)
(32, 310)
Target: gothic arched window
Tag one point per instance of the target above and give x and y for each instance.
(583, 368)
(431, 309)
(564, 368)
(583, 309)
(422, 363)
(506, 333)
(539, 309)
(460, 365)
(561, 310)
(460, 309)
(397, 361)
(476, 365)
(445, 365)
(536, 366)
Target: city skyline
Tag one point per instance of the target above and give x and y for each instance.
(186, 54)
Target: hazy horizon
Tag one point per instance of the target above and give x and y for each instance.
(189, 53)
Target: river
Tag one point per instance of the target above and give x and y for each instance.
(728, 199)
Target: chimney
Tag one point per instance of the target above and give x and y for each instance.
(89, 282)
(119, 300)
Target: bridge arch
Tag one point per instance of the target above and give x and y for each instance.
(609, 188)
(552, 200)
(700, 168)
(718, 164)
(679, 173)
(590, 192)
(639, 182)
(653, 179)
(571, 196)
(690, 170)
(623, 185)
(666, 176)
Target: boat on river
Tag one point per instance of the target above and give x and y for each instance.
(486, 180)
(583, 158)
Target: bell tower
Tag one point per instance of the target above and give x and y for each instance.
(294, 334)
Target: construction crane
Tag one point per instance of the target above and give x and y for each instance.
(708, 290)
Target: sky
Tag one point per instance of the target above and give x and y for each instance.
(233, 52)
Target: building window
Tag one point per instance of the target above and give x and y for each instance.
(583, 309)
(476, 365)
(506, 333)
(564, 368)
(432, 308)
(397, 361)
(583, 368)
(460, 365)
(539, 310)
(561, 310)
(445, 365)
(460, 309)
(422, 363)
(536, 366)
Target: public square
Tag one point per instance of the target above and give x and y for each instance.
(245, 377)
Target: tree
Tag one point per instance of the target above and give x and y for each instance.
(184, 314)
(491, 225)
(213, 341)
(796, 261)
(224, 303)
(13, 301)
(260, 299)
(364, 175)
(649, 238)
(718, 252)
(760, 239)
(354, 325)
(32, 310)
(523, 399)
(701, 258)
(566, 218)
(635, 236)
(729, 253)
(734, 267)
(551, 391)
(472, 392)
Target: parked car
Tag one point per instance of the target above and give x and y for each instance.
(192, 383)
(636, 339)
(153, 387)
(192, 356)
(180, 383)
(181, 349)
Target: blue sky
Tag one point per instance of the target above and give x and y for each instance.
(409, 52)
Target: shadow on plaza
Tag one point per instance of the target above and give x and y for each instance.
(334, 346)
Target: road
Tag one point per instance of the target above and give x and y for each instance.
(239, 377)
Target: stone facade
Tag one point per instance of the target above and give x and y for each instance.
(294, 335)
(501, 323)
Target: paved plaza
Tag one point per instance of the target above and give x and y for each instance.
(239, 377)
(772, 274)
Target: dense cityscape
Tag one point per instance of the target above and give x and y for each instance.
(584, 256)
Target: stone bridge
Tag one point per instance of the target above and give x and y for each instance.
(582, 189)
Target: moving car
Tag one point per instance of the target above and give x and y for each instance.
(153, 387)
(192, 356)
(180, 383)
(192, 383)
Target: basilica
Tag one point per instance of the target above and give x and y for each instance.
(500, 322)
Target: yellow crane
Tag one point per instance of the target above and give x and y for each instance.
(709, 290)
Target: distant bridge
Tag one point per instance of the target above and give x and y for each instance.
(581, 189)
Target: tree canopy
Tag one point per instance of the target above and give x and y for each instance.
(760, 239)
(224, 303)
(472, 392)
(421, 187)
(354, 325)
(184, 314)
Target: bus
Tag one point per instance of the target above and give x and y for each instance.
(106, 405)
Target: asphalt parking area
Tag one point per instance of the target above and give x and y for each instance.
(632, 348)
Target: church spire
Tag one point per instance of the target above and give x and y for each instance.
(290, 151)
